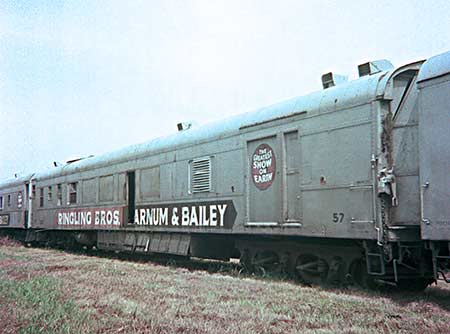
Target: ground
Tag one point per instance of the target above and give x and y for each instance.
(52, 291)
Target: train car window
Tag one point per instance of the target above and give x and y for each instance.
(72, 193)
(9, 200)
(90, 189)
(200, 175)
(49, 193)
(106, 188)
(150, 182)
(19, 199)
(1, 202)
(41, 197)
(59, 195)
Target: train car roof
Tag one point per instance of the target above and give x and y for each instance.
(9, 183)
(353, 93)
(434, 67)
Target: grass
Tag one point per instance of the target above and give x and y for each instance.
(37, 305)
(49, 291)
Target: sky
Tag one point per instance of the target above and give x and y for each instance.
(87, 77)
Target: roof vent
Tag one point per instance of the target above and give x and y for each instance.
(375, 66)
(200, 175)
(330, 79)
(72, 160)
(184, 126)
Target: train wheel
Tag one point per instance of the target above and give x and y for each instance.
(336, 271)
(311, 269)
(246, 261)
(266, 263)
(360, 276)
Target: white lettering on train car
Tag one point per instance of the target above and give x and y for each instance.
(214, 214)
(202, 215)
(263, 166)
(89, 217)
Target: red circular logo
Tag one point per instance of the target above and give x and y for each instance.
(263, 166)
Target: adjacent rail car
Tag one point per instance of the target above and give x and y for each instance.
(347, 183)
(15, 201)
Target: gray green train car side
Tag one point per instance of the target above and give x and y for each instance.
(347, 183)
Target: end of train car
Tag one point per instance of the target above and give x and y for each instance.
(433, 84)
(15, 205)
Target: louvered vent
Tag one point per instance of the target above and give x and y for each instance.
(201, 175)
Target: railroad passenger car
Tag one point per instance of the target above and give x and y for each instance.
(349, 183)
(14, 204)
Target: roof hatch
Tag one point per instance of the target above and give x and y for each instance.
(374, 66)
(330, 79)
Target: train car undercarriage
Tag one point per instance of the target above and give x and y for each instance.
(312, 261)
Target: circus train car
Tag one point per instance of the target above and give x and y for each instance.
(15, 206)
(349, 183)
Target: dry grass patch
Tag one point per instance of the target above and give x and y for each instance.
(114, 296)
(7, 241)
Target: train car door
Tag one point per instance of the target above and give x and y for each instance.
(264, 182)
(31, 196)
(22, 203)
(131, 195)
(291, 178)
